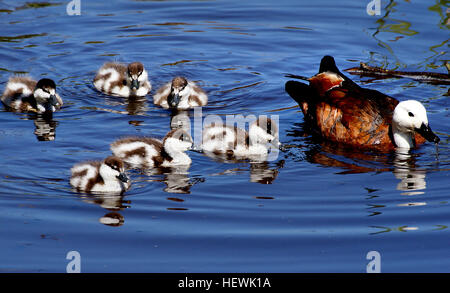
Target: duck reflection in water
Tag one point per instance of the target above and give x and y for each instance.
(411, 176)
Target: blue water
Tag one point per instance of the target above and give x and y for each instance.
(314, 209)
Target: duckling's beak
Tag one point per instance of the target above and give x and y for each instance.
(281, 147)
(173, 100)
(196, 148)
(134, 84)
(52, 100)
(427, 133)
(123, 177)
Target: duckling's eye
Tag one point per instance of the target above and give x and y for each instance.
(269, 127)
(410, 114)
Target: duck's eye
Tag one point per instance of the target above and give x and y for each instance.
(410, 114)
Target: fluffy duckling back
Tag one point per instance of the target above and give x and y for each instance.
(181, 94)
(100, 176)
(119, 80)
(24, 94)
(233, 142)
(151, 152)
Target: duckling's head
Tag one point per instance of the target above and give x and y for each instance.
(179, 88)
(178, 140)
(136, 75)
(113, 168)
(263, 130)
(411, 116)
(45, 94)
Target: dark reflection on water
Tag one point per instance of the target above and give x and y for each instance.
(316, 208)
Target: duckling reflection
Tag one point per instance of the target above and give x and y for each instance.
(112, 203)
(112, 219)
(45, 128)
(136, 105)
(262, 173)
(175, 178)
(180, 120)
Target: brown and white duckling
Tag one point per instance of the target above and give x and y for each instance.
(234, 142)
(119, 80)
(181, 94)
(151, 152)
(24, 94)
(100, 176)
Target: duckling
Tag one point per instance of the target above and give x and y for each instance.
(24, 94)
(100, 176)
(119, 80)
(234, 142)
(343, 112)
(151, 152)
(181, 94)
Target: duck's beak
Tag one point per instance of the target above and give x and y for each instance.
(123, 177)
(174, 100)
(134, 84)
(427, 133)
